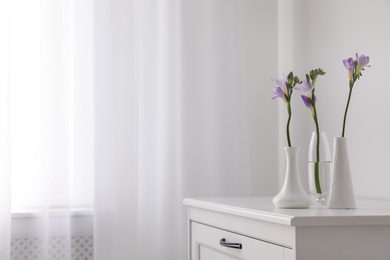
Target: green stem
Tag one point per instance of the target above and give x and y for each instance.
(317, 161)
(318, 136)
(346, 109)
(317, 177)
(288, 124)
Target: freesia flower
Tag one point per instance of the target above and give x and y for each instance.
(284, 89)
(349, 64)
(309, 99)
(308, 103)
(355, 68)
(281, 89)
(280, 93)
(282, 83)
(362, 61)
(306, 87)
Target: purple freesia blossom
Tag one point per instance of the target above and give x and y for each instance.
(308, 98)
(307, 101)
(279, 93)
(281, 89)
(355, 67)
(282, 83)
(349, 64)
(362, 61)
(306, 87)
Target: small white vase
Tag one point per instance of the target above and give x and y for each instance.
(292, 195)
(341, 193)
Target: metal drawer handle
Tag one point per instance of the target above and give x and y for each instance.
(222, 242)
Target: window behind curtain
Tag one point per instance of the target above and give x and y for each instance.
(51, 104)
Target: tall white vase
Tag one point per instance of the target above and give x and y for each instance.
(292, 194)
(341, 193)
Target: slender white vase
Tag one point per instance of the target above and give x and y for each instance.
(341, 192)
(292, 195)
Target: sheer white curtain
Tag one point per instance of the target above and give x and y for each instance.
(128, 106)
(46, 125)
(180, 110)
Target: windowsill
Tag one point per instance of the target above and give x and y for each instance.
(74, 212)
(60, 221)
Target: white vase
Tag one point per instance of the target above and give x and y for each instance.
(341, 193)
(292, 194)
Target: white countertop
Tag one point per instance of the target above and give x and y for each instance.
(368, 212)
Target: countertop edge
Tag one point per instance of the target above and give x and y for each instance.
(297, 221)
(238, 211)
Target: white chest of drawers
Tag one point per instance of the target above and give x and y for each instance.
(252, 228)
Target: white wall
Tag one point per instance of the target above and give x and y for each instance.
(316, 34)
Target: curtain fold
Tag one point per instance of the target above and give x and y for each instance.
(116, 132)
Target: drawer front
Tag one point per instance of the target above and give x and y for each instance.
(206, 245)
